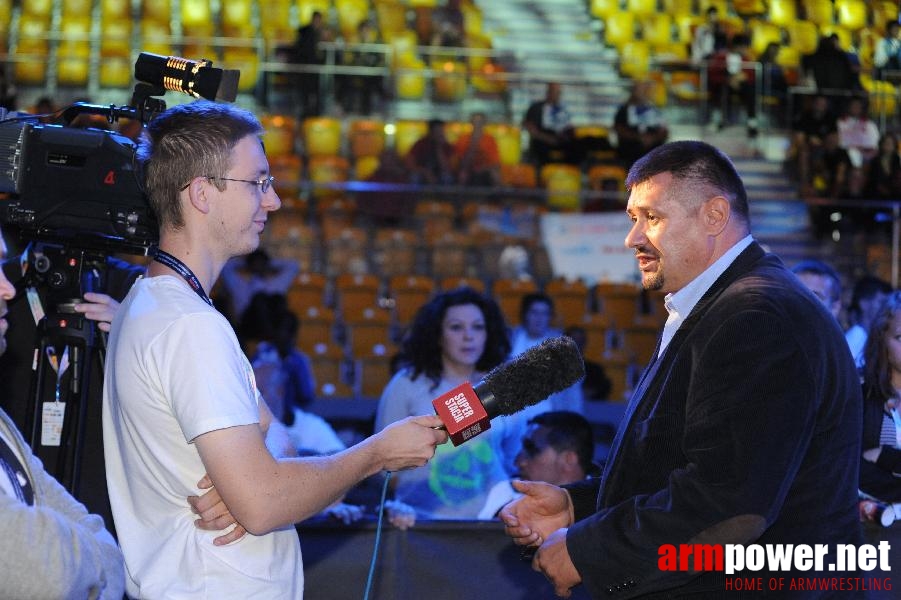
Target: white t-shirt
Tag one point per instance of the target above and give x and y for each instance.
(175, 371)
(856, 336)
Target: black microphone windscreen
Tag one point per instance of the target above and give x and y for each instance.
(551, 366)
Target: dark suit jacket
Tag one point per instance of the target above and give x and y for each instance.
(753, 409)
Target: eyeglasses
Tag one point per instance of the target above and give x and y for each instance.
(264, 184)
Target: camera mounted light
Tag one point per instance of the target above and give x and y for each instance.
(195, 78)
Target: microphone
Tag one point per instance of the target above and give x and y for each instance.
(195, 78)
(550, 367)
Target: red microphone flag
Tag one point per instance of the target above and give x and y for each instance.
(462, 413)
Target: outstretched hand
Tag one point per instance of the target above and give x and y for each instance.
(410, 442)
(531, 519)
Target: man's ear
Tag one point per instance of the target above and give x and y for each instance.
(715, 213)
(197, 194)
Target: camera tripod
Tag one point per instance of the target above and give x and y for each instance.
(66, 349)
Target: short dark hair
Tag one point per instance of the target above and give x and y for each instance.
(813, 266)
(567, 430)
(694, 162)
(187, 141)
(867, 287)
(534, 298)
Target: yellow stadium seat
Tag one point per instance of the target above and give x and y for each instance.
(195, 13)
(782, 12)
(38, 8)
(350, 14)
(509, 141)
(883, 12)
(116, 38)
(365, 166)
(279, 135)
(155, 37)
(159, 11)
(749, 8)
(803, 35)
(115, 9)
(762, 34)
(75, 8)
(635, 57)
(73, 52)
(604, 8)
(321, 136)
(235, 17)
(721, 5)
(678, 8)
(391, 17)
(820, 12)
(409, 79)
(406, 133)
(642, 8)
(324, 170)
(563, 183)
(472, 18)
(851, 14)
(657, 29)
(246, 61)
(116, 72)
(619, 29)
(275, 22)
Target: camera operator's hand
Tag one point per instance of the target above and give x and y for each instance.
(98, 307)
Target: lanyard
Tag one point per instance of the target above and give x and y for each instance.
(182, 269)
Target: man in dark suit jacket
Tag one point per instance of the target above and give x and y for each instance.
(745, 428)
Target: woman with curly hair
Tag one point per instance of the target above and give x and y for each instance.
(458, 336)
(880, 468)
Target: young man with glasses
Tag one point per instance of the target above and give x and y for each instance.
(180, 399)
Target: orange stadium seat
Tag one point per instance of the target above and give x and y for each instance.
(522, 175)
(452, 283)
(570, 300)
(317, 326)
(366, 138)
(328, 364)
(356, 292)
(449, 255)
(326, 170)
(509, 293)
(395, 251)
(279, 134)
(409, 292)
(368, 332)
(307, 290)
(373, 373)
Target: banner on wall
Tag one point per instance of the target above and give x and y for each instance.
(589, 246)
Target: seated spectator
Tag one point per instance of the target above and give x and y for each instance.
(887, 53)
(551, 134)
(809, 130)
(357, 91)
(883, 171)
(640, 126)
(448, 25)
(596, 385)
(831, 69)
(829, 173)
(243, 277)
(709, 37)
(867, 298)
(386, 207)
(430, 159)
(476, 158)
(775, 84)
(880, 468)
(730, 73)
(557, 448)
(859, 136)
(823, 281)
